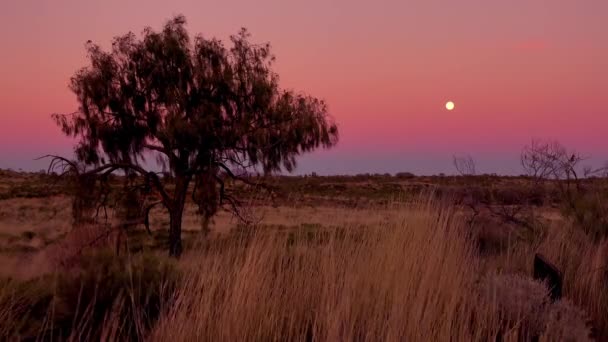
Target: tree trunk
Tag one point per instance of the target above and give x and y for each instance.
(175, 232)
(175, 216)
(205, 220)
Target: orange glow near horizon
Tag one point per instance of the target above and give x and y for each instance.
(517, 71)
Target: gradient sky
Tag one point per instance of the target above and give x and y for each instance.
(516, 70)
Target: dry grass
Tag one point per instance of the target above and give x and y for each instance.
(409, 279)
(585, 267)
(407, 273)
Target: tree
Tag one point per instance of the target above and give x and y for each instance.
(544, 160)
(205, 112)
(465, 165)
(551, 160)
(585, 204)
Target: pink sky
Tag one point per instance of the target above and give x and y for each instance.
(516, 70)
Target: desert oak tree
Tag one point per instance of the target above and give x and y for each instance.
(202, 109)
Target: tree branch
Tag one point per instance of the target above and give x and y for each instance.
(60, 162)
(242, 179)
(162, 150)
(147, 215)
(107, 169)
(222, 188)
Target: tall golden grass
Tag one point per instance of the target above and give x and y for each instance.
(406, 280)
(417, 276)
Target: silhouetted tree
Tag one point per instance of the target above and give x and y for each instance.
(465, 165)
(551, 160)
(586, 205)
(202, 109)
(544, 160)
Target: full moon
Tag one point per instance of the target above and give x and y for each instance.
(449, 105)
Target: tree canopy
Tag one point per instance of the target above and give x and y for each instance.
(202, 110)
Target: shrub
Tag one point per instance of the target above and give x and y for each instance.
(567, 322)
(507, 196)
(525, 310)
(519, 302)
(103, 279)
(589, 210)
(404, 175)
(28, 235)
(537, 195)
(102, 297)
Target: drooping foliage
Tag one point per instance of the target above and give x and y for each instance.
(205, 111)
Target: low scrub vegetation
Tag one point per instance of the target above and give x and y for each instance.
(103, 296)
(417, 273)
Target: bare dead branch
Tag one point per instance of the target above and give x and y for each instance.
(465, 165)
